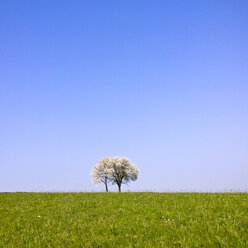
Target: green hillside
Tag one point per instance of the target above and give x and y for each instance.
(123, 220)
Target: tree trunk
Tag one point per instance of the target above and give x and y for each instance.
(106, 184)
(119, 188)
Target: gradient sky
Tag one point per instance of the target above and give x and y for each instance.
(164, 83)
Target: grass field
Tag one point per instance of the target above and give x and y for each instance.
(123, 220)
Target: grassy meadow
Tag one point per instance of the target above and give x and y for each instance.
(123, 220)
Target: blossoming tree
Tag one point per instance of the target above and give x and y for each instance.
(123, 171)
(101, 172)
(116, 170)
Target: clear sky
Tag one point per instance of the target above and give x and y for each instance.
(164, 83)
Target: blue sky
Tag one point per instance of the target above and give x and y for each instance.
(164, 83)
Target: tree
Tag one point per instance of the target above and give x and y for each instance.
(101, 172)
(122, 171)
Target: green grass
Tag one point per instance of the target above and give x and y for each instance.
(123, 220)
